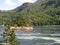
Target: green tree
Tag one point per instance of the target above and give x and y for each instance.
(9, 37)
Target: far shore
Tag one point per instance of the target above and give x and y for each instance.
(23, 28)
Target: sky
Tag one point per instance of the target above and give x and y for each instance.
(11, 4)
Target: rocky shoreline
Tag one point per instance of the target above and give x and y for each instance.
(23, 28)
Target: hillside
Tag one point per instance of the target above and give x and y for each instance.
(42, 12)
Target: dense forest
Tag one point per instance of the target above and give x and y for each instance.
(42, 12)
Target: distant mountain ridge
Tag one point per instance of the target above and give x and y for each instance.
(23, 6)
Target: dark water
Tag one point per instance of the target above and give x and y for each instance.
(41, 35)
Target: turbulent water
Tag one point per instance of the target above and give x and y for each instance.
(41, 35)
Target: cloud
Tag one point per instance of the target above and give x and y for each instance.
(10, 3)
(22, 1)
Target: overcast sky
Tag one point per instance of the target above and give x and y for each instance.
(11, 4)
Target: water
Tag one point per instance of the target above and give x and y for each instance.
(41, 35)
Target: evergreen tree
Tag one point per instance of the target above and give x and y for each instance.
(9, 37)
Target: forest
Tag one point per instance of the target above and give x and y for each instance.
(42, 12)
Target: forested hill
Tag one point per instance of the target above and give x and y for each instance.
(42, 12)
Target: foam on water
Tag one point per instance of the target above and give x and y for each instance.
(28, 37)
(50, 38)
(31, 37)
(28, 34)
(55, 34)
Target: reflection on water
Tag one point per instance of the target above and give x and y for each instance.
(41, 35)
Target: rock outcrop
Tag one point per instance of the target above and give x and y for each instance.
(23, 28)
